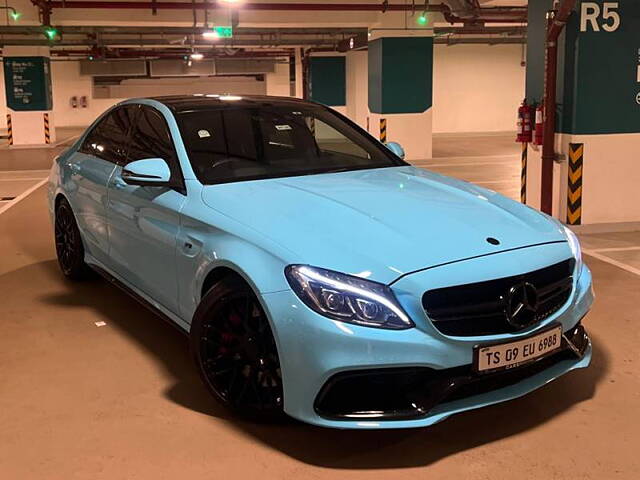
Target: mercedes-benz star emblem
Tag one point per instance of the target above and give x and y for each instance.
(522, 305)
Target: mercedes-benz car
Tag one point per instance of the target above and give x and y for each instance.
(317, 273)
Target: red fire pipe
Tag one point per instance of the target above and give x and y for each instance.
(556, 22)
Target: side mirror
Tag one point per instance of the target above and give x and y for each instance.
(147, 172)
(396, 148)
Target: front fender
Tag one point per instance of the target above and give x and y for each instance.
(209, 240)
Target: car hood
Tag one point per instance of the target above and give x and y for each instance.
(381, 223)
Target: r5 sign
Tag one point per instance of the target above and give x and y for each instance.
(606, 17)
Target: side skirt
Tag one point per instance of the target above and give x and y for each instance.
(140, 299)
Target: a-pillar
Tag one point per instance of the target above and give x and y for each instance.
(597, 173)
(279, 82)
(400, 65)
(27, 75)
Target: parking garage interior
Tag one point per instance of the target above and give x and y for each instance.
(93, 385)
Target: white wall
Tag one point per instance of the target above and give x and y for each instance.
(477, 88)
(278, 83)
(67, 82)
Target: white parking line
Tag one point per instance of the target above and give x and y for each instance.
(468, 164)
(20, 179)
(611, 261)
(615, 249)
(22, 196)
(491, 182)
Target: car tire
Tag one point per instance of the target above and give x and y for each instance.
(235, 352)
(69, 247)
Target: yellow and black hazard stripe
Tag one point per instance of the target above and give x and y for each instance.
(574, 200)
(523, 176)
(383, 130)
(47, 133)
(9, 129)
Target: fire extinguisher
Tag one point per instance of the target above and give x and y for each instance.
(539, 135)
(525, 130)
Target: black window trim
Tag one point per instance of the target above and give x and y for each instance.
(178, 184)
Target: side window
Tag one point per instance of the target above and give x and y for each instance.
(108, 140)
(329, 140)
(151, 138)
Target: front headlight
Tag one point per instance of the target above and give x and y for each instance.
(347, 298)
(574, 244)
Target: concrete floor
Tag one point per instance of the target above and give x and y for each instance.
(123, 401)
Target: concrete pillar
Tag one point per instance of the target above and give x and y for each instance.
(357, 87)
(597, 175)
(400, 66)
(299, 85)
(27, 75)
(278, 82)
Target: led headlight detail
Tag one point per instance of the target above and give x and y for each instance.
(574, 244)
(347, 298)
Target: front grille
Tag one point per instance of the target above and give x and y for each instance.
(479, 308)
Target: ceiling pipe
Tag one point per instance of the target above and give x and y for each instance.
(487, 15)
(44, 11)
(355, 7)
(556, 21)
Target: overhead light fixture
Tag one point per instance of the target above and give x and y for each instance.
(210, 34)
(196, 56)
(15, 15)
(230, 98)
(231, 2)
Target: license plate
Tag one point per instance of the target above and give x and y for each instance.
(513, 354)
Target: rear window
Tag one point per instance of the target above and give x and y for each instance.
(249, 143)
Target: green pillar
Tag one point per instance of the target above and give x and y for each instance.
(598, 110)
(401, 89)
(327, 81)
(27, 76)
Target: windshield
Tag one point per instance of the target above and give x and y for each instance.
(249, 143)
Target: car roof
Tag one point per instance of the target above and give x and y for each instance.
(181, 103)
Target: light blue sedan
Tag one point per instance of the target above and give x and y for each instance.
(315, 272)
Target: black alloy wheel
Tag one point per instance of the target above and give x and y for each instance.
(69, 248)
(236, 353)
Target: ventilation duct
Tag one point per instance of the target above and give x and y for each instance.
(238, 66)
(180, 68)
(117, 68)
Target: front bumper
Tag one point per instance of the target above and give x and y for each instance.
(315, 350)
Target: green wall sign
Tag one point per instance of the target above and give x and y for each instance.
(28, 83)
